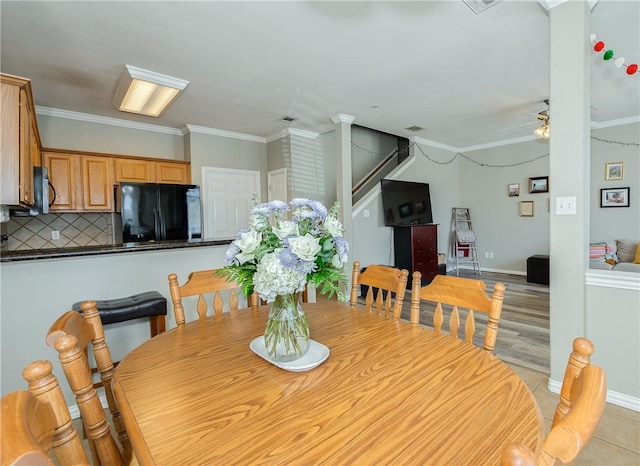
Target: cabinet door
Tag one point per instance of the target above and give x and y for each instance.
(64, 175)
(26, 160)
(173, 172)
(97, 183)
(10, 148)
(425, 254)
(136, 171)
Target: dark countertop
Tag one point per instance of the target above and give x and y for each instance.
(35, 254)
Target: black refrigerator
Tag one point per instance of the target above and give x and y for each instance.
(159, 212)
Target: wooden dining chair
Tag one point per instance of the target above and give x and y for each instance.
(582, 401)
(457, 292)
(28, 426)
(202, 283)
(382, 282)
(70, 335)
(66, 445)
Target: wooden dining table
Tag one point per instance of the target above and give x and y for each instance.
(390, 392)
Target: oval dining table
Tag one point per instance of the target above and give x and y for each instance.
(390, 392)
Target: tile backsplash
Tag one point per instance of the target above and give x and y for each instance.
(76, 229)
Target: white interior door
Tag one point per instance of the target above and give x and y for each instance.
(227, 197)
(277, 182)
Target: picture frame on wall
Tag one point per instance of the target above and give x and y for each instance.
(514, 190)
(526, 208)
(614, 171)
(614, 197)
(539, 184)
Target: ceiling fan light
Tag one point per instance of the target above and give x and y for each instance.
(542, 131)
(146, 92)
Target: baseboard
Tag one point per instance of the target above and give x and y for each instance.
(485, 269)
(615, 398)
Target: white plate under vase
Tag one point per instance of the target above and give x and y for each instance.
(315, 355)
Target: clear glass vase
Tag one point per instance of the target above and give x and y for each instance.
(286, 336)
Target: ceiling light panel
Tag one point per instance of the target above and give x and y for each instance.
(146, 92)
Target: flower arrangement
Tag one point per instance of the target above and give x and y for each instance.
(277, 256)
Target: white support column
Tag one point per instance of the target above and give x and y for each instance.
(343, 175)
(569, 175)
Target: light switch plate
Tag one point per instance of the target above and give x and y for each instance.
(566, 205)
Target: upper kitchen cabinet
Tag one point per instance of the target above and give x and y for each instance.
(134, 170)
(20, 142)
(64, 176)
(152, 171)
(97, 183)
(173, 172)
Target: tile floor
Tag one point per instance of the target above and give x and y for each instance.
(616, 441)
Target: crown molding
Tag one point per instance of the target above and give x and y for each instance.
(618, 122)
(101, 120)
(342, 118)
(89, 118)
(224, 133)
(292, 132)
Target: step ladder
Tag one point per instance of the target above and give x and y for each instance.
(463, 240)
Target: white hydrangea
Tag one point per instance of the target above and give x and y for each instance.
(272, 279)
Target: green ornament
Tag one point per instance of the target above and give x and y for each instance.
(608, 55)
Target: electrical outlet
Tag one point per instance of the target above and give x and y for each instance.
(490, 255)
(365, 213)
(486, 255)
(55, 234)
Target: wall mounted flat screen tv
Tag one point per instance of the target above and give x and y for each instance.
(406, 203)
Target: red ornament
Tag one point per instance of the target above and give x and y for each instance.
(631, 69)
(599, 46)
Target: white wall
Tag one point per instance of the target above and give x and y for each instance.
(35, 293)
(499, 228)
(73, 134)
(617, 222)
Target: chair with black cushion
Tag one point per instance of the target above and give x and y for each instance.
(454, 293)
(71, 335)
(211, 290)
(150, 304)
(382, 282)
(582, 401)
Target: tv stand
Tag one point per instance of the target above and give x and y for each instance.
(416, 249)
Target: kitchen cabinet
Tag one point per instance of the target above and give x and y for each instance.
(134, 170)
(416, 249)
(84, 181)
(19, 142)
(64, 176)
(152, 171)
(97, 183)
(173, 172)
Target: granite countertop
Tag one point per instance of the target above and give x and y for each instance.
(35, 254)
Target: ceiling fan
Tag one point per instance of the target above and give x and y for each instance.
(542, 119)
(543, 130)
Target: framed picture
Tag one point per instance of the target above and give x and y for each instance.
(526, 208)
(614, 197)
(539, 184)
(514, 190)
(614, 171)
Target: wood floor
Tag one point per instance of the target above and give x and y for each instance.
(523, 331)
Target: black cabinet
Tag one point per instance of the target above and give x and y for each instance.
(416, 249)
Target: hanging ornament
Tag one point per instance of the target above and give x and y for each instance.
(609, 54)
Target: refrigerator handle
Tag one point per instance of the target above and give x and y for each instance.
(160, 226)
